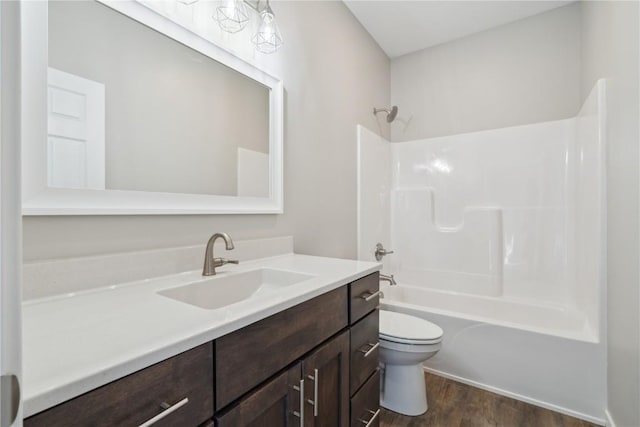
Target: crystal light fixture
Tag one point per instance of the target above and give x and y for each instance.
(268, 38)
(232, 16)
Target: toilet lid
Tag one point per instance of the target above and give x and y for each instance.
(402, 328)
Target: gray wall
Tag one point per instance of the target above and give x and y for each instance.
(174, 117)
(523, 72)
(333, 77)
(610, 49)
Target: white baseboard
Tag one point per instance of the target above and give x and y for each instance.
(546, 405)
(609, 421)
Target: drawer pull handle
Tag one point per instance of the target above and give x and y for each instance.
(315, 378)
(300, 389)
(372, 419)
(368, 296)
(371, 349)
(168, 409)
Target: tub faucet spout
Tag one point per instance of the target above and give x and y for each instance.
(390, 279)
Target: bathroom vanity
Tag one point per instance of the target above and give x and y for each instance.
(313, 363)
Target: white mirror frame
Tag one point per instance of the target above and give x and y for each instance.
(39, 199)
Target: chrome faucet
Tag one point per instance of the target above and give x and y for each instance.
(210, 263)
(390, 279)
(381, 252)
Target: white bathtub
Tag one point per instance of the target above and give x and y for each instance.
(546, 319)
(542, 354)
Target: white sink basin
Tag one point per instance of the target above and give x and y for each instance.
(226, 289)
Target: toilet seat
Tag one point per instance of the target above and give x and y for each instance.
(405, 329)
(409, 341)
(410, 347)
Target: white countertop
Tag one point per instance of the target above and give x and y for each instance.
(77, 342)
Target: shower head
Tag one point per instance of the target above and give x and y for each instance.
(391, 113)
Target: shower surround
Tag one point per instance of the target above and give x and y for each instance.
(498, 238)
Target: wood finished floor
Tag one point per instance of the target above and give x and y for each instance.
(453, 404)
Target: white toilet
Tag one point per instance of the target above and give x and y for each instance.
(405, 342)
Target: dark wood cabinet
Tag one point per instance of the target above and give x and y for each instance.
(276, 403)
(319, 382)
(365, 404)
(311, 365)
(364, 296)
(365, 353)
(247, 357)
(326, 374)
(176, 392)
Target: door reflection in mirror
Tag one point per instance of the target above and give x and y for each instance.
(132, 109)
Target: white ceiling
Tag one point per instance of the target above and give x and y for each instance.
(401, 27)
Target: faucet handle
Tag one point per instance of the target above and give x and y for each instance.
(222, 261)
(381, 252)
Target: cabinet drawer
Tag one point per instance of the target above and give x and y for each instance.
(364, 351)
(186, 380)
(247, 357)
(362, 296)
(365, 405)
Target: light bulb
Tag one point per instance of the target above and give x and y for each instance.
(268, 38)
(232, 16)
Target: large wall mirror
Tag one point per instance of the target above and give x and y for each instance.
(134, 114)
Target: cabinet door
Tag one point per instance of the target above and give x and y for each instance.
(274, 404)
(326, 375)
